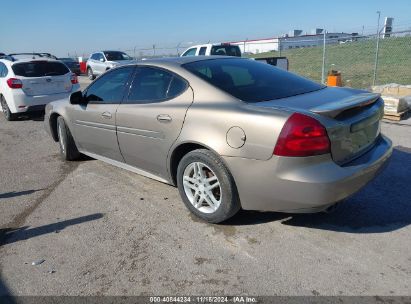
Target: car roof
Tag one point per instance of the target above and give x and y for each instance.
(12, 60)
(99, 52)
(186, 59)
(211, 44)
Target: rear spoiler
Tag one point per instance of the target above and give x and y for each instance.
(332, 109)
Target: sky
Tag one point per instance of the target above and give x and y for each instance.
(81, 27)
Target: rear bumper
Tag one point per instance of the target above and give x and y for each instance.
(304, 185)
(37, 108)
(23, 103)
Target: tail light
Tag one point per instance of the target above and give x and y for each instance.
(302, 136)
(74, 79)
(14, 83)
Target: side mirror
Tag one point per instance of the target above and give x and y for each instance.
(102, 59)
(77, 98)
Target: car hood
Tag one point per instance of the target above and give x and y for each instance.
(121, 62)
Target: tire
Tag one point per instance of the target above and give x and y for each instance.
(68, 148)
(6, 110)
(90, 73)
(197, 171)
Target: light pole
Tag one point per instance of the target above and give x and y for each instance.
(378, 22)
(323, 69)
(178, 48)
(377, 49)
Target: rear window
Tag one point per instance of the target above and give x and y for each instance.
(40, 69)
(116, 56)
(226, 50)
(251, 81)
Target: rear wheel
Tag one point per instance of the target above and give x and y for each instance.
(90, 73)
(68, 148)
(6, 110)
(207, 187)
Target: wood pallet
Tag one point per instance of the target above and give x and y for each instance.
(397, 116)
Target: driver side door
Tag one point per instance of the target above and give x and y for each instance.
(94, 124)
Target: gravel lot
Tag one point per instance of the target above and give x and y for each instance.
(105, 231)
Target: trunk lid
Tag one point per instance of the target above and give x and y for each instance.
(43, 77)
(46, 85)
(351, 117)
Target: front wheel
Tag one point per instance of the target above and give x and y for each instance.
(6, 110)
(207, 187)
(90, 73)
(68, 148)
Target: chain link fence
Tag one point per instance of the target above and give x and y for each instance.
(138, 53)
(362, 60)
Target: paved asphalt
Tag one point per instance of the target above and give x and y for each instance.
(104, 231)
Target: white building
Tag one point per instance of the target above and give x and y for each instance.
(294, 40)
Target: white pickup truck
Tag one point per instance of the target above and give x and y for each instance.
(209, 49)
(226, 49)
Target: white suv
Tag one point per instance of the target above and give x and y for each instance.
(28, 84)
(100, 62)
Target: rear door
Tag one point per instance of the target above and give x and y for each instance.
(43, 77)
(95, 123)
(150, 119)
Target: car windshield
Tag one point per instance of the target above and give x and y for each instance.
(116, 56)
(226, 50)
(39, 69)
(251, 81)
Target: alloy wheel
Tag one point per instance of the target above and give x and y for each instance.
(202, 187)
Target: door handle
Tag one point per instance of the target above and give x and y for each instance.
(164, 118)
(106, 115)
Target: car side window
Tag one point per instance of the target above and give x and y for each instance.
(110, 87)
(202, 50)
(3, 70)
(152, 85)
(190, 52)
(215, 50)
